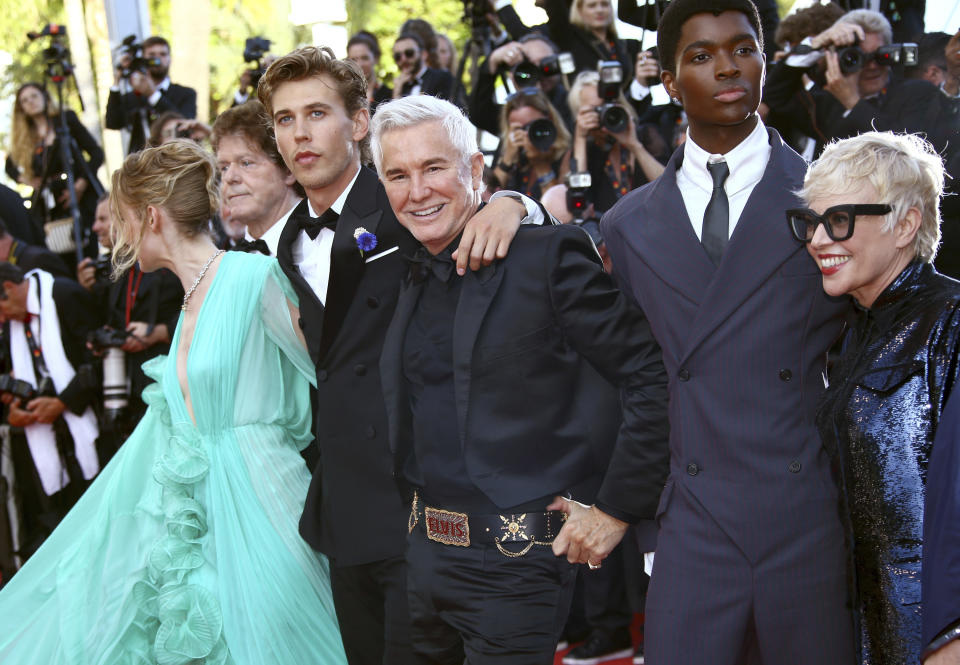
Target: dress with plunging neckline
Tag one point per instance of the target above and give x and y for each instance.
(186, 548)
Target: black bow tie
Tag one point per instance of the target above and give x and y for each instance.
(422, 263)
(312, 225)
(250, 246)
(408, 86)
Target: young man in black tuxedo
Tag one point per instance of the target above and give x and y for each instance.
(150, 93)
(415, 78)
(348, 284)
(750, 563)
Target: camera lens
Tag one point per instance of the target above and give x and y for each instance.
(542, 134)
(614, 118)
(850, 59)
(526, 73)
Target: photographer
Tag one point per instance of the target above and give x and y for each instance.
(534, 145)
(171, 125)
(48, 391)
(139, 312)
(530, 61)
(607, 143)
(35, 158)
(859, 92)
(27, 257)
(415, 77)
(151, 93)
(586, 29)
(364, 49)
(255, 51)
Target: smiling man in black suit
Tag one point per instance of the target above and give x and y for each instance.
(342, 248)
(463, 361)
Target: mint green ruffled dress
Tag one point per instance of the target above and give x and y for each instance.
(185, 549)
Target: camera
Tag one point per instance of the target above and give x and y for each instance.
(129, 47)
(56, 57)
(541, 133)
(106, 338)
(116, 392)
(17, 387)
(527, 73)
(853, 59)
(254, 49)
(578, 186)
(102, 268)
(613, 117)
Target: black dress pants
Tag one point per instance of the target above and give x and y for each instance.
(476, 605)
(371, 604)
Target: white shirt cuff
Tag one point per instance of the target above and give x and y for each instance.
(534, 213)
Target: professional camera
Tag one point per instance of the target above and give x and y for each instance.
(56, 57)
(17, 387)
(528, 74)
(254, 49)
(613, 117)
(116, 391)
(130, 48)
(578, 187)
(541, 133)
(853, 59)
(102, 268)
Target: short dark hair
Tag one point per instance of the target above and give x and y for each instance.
(410, 35)
(679, 11)
(154, 40)
(932, 47)
(369, 40)
(11, 273)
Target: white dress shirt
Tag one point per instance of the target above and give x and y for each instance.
(747, 163)
(272, 235)
(312, 255)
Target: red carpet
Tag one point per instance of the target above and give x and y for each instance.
(634, 628)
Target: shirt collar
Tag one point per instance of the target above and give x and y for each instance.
(747, 161)
(272, 235)
(164, 84)
(336, 206)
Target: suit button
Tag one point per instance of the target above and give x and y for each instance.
(373, 302)
(693, 469)
(360, 369)
(785, 375)
(683, 374)
(322, 375)
(795, 466)
(371, 431)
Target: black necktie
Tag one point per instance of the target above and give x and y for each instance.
(313, 225)
(716, 218)
(250, 246)
(422, 263)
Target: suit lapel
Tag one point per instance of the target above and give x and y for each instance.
(310, 305)
(665, 238)
(760, 243)
(479, 290)
(346, 261)
(392, 355)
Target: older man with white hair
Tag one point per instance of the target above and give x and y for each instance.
(502, 393)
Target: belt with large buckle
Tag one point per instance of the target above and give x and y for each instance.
(460, 529)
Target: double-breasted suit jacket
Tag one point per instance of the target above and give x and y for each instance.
(744, 344)
(540, 340)
(353, 512)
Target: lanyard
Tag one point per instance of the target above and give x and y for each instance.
(132, 290)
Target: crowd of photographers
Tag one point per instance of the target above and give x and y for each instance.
(581, 120)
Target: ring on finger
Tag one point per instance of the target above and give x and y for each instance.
(593, 566)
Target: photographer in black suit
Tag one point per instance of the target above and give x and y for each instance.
(151, 93)
(348, 283)
(463, 361)
(48, 390)
(415, 77)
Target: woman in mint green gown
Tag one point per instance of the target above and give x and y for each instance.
(185, 549)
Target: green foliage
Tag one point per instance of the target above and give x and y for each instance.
(384, 18)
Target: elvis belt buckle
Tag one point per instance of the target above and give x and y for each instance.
(447, 527)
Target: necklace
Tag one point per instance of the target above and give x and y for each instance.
(196, 282)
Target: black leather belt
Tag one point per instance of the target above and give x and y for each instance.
(461, 529)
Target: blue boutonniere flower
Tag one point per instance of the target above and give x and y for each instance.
(365, 240)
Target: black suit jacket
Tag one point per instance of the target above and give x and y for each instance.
(541, 339)
(127, 111)
(354, 512)
(29, 257)
(437, 82)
